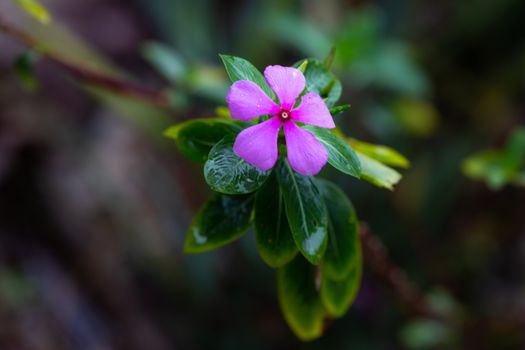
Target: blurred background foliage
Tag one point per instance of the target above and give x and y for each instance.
(94, 200)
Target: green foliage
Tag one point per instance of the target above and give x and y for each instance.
(195, 138)
(226, 173)
(34, 9)
(339, 109)
(340, 154)
(344, 250)
(305, 210)
(342, 265)
(383, 154)
(221, 220)
(499, 167)
(273, 237)
(240, 69)
(299, 299)
(291, 213)
(338, 296)
(377, 173)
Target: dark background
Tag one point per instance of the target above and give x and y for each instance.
(94, 201)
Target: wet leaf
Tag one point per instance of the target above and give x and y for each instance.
(343, 250)
(220, 221)
(227, 173)
(305, 210)
(273, 237)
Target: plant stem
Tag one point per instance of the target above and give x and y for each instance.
(87, 75)
(408, 294)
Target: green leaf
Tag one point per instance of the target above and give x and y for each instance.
(322, 81)
(273, 237)
(302, 66)
(24, 67)
(380, 153)
(339, 109)
(221, 220)
(340, 154)
(241, 69)
(195, 138)
(225, 172)
(299, 299)
(338, 296)
(305, 210)
(377, 173)
(35, 9)
(344, 250)
(342, 265)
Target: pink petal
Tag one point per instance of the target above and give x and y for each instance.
(287, 82)
(257, 144)
(247, 101)
(306, 155)
(313, 111)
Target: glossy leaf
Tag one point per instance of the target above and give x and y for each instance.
(377, 173)
(221, 220)
(322, 81)
(380, 153)
(241, 69)
(299, 299)
(305, 210)
(225, 172)
(273, 237)
(340, 154)
(195, 138)
(35, 9)
(343, 250)
(338, 296)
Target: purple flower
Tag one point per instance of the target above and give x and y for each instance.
(257, 144)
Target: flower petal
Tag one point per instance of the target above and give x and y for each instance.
(313, 111)
(306, 155)
(287, 82)
(246, 101)
(257, 144)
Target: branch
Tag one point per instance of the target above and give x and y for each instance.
(408, 294)
(88, 75)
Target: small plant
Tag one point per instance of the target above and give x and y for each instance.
(305, 227)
